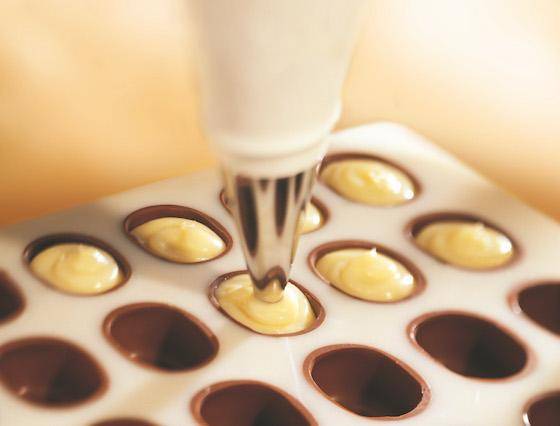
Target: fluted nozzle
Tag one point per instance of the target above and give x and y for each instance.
(267, 213)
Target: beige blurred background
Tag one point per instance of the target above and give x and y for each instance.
(97, 96)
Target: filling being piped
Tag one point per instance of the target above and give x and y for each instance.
(179, 240)
(293, 313)
(366, 274)
(467, 244)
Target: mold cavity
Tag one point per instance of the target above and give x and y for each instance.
(160, 336)
(543, 410)
(76, 264)
(366, 381)
(463, 240)
(248, 403)
(315, 217)
(298, 312)
(368, 179)
(178, 234)
(50, 372)
(541, 303)
(11, 300)
(469, 346)
(366, 271)
(124, 421)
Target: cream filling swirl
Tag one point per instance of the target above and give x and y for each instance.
(77, 268)
(179, 240)
(293, 313)
(369, 181)
(467, 244)
(366, 274)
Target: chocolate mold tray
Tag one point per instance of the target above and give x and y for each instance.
(463, 351)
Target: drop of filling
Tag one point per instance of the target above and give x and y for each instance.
(467, 244)
(291, 314)
(366, 274)
(179, 240)
(77, 268)
(369, 181)
(311, 219)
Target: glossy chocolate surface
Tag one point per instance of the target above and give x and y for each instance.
(50, 372)
(160, 336)
(248, 403)
(366, 381)
(11, 299)
(146, 214)
(541, 303)
(469, 345)
(543, 410)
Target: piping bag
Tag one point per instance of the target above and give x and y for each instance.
(271, 75)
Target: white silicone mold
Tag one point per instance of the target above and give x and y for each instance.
(164, 397)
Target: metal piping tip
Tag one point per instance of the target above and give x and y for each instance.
(267, 213)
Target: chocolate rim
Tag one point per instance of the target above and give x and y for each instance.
(322, 207)
(535, 399)
(115, 313)
(42, 243)
(145, 214)
(357, 155)
(100, 371)
(513, 300)
(530, 359)
(318, 308)
(415, 225)
(9, 286)
(331, 246)
(309, 364)
(199, 398)
(121, 421)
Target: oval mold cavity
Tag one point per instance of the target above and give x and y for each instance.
(541, 303)
(160, 336)
(344, 156)
(543, 410)
(468, 345)
(248, 403)
(42, 243)
(326, 248)
(50, 372)
(366, 381)
(146, 214)
(317, 307)
(11, 300)
(414, 227)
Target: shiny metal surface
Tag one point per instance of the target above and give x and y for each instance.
(267, 213)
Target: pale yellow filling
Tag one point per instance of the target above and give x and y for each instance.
(366, 274)
(77, 268)
(369, 181)
(467, 244)
(311, 220)
(179, 240)
(291, 314)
